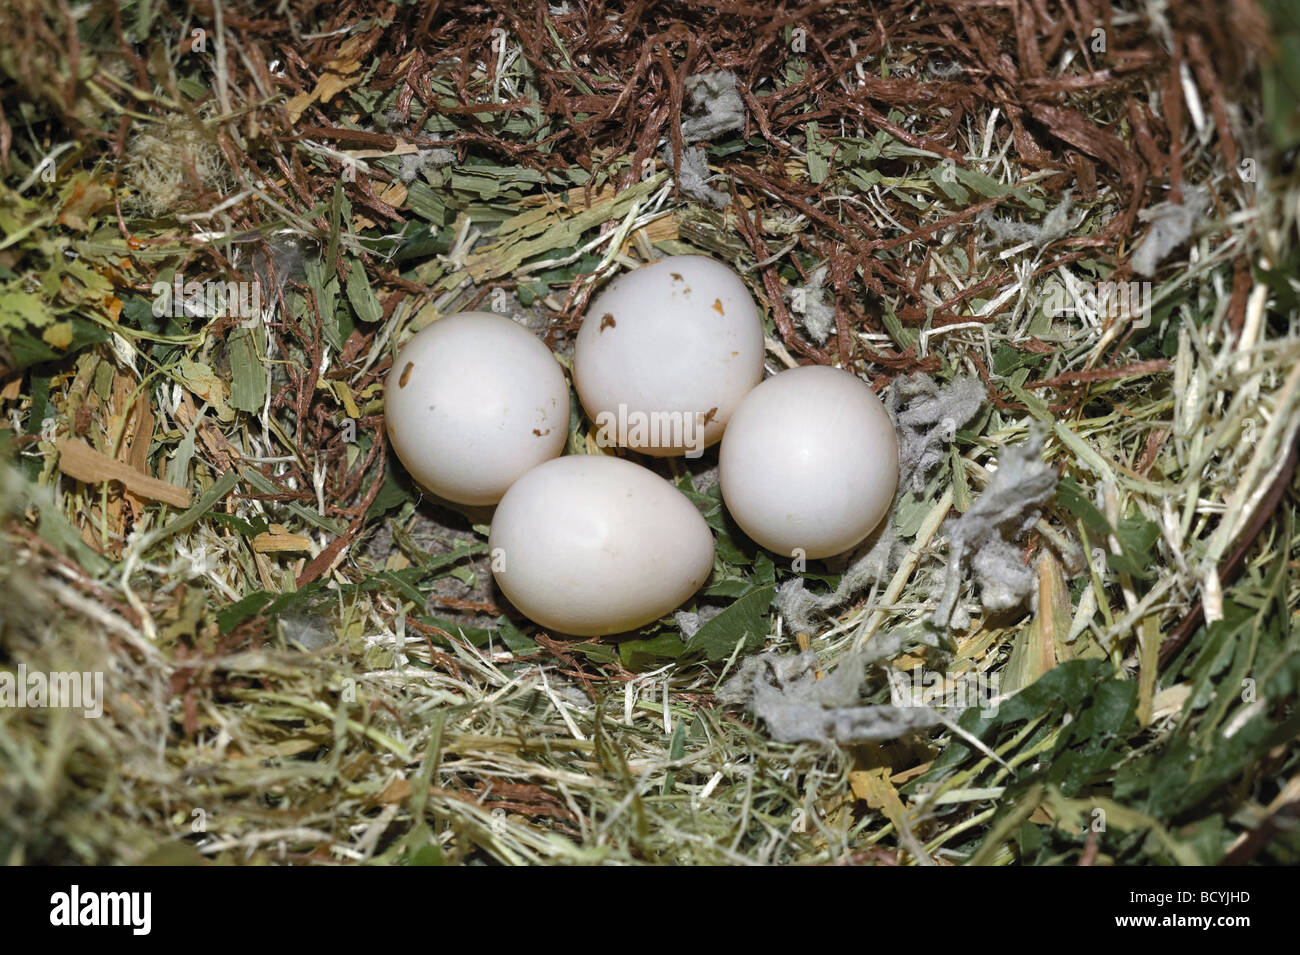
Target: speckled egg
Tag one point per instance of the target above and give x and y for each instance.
(665, 354)
(472, 402)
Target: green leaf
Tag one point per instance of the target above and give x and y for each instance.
(530, 292)
(41, 405)
(864, 179)
(430, 853)
(340, 212)
(29, 349)
(336, 322)
(55, 529)
(597, 652)
(1091, 743)
(263, 484)
(1280, 75)
(944, 176)
(1136, 536)
(728, 587)
(514, 638)
(980, 183)
(732, 546)
(426, 203)
(187, 519)
(902, 336)
(818, 150)
(247, 528)
(726, 148)
(676, 750)
(744, 622)
(249, 381)
(1071, 496)
(249, 606)
(647, 652)
(1007, 359)
(1062, 689)
(362, 296)
(393, 494)
(18, 309)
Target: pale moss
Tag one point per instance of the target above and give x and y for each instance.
(162, 160)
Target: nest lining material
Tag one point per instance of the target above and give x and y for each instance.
(374, 702)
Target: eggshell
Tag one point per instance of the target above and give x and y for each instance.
(473, 401)
(809, 463)
(668, 351)
(590, 545)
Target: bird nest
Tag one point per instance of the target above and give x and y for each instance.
(1058, 239)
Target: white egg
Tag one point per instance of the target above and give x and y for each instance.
(665, 354)
(591, 545)
(809, 464)
(473, 401)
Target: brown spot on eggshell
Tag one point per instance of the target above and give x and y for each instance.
(541, 434)
(406, 374)
(607, 321)
(677, 276)
(717, 306)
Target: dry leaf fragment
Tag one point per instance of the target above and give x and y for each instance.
(279, 540)
(79, 460)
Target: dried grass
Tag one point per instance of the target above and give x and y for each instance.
(376, 703)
